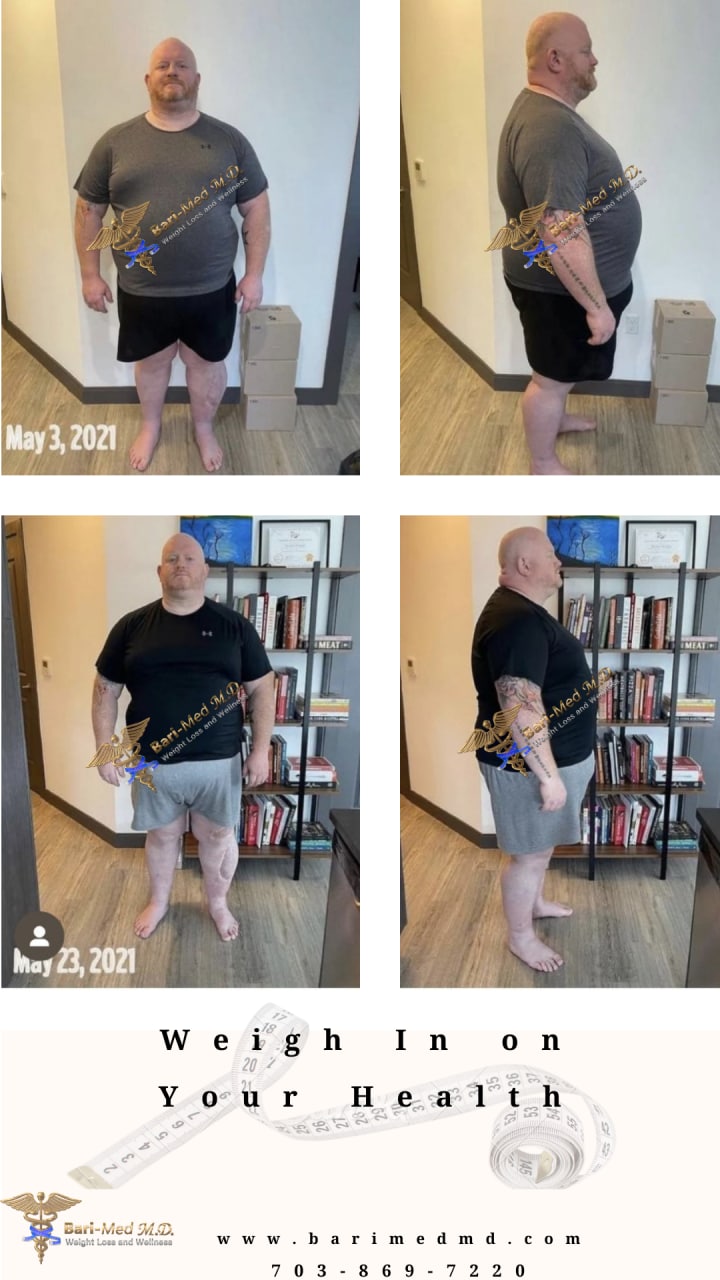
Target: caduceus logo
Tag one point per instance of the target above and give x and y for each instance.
(524, 235)
(125, 237)
(124, 752)
(41, 1213)
(498, 739)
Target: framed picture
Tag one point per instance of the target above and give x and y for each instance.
(294, 544)
(584, 540)
(224, 539)
(652, 544)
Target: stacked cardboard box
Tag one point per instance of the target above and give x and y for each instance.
(269, 345)
(682, 342)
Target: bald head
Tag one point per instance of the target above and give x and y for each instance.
(170, 49)
(172, 79)
(528, 563)
(559, 56)
(182, 573)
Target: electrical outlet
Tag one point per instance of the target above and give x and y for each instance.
(632, 324)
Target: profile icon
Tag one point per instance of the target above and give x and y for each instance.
(39, 935)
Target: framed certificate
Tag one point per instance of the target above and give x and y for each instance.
(294, 544)
(666, 545)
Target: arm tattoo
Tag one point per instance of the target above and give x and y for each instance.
(550, 218)
(518, 689)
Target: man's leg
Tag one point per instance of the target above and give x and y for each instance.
(161, 851)
(543, 409)
(522, 881)
(206, 382)
(151, 379)
(218, 853)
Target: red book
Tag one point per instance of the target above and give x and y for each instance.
(251, 829)
(658, 624)
(292, 623)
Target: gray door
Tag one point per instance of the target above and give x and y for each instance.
(409, 272)
(17, 581)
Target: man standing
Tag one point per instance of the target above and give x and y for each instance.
(524, 663)
(570, 300)
(183, 658)
(173, 176)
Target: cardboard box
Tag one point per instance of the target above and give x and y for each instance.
(683, 328)
(270, 333)
(679, 408)
(270, 377)
(268, 413)
(679, 373)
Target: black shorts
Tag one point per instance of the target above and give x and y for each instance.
(556, 335)
(205, 322)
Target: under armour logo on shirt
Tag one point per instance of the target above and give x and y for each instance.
(206, 633)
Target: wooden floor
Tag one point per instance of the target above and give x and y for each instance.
(96, 892)
(324, 435)
(452, 423)
(629, 929)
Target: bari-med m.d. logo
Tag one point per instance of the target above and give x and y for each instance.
(41, 1213)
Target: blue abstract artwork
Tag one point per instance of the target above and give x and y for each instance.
(585, 539)
(224, 539)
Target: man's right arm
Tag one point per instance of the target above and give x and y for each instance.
(105, 699)
(512, 690)
(88, 222)
(574, 265)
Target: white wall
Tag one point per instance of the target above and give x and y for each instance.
(286, 74)
(84, 573)
(449, 570)
(657, 103)
(436, 625)
(66, 585)
(443, 98)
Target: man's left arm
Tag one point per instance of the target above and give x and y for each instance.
(261, 711)
(256, 239)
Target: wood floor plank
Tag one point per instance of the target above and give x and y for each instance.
(453, 423)
(629, 928)
(324, 434)
(96, 891)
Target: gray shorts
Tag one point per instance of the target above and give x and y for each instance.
(210, 787)
(515, 797)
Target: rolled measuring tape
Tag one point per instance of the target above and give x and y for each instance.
(532, 1146)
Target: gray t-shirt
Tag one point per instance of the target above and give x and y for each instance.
(185, 241)
(548, 152)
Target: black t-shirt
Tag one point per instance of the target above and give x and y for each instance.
(516, 637)
(183, 671)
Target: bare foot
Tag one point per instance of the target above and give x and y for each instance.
(225, 923)
(543, 909)
(210, 449)
(149, 919)
(574, 422)
(554, 468)
(143, 447)
(534, 953)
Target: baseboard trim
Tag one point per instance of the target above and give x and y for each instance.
(518, 381)
(117, 839)
(455, 824)
(128, 395)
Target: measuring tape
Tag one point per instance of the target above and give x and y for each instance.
(532, 1146)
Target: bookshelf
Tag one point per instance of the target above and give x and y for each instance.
(232, 575)
(674, 724)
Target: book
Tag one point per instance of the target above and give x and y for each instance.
(313, 836)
